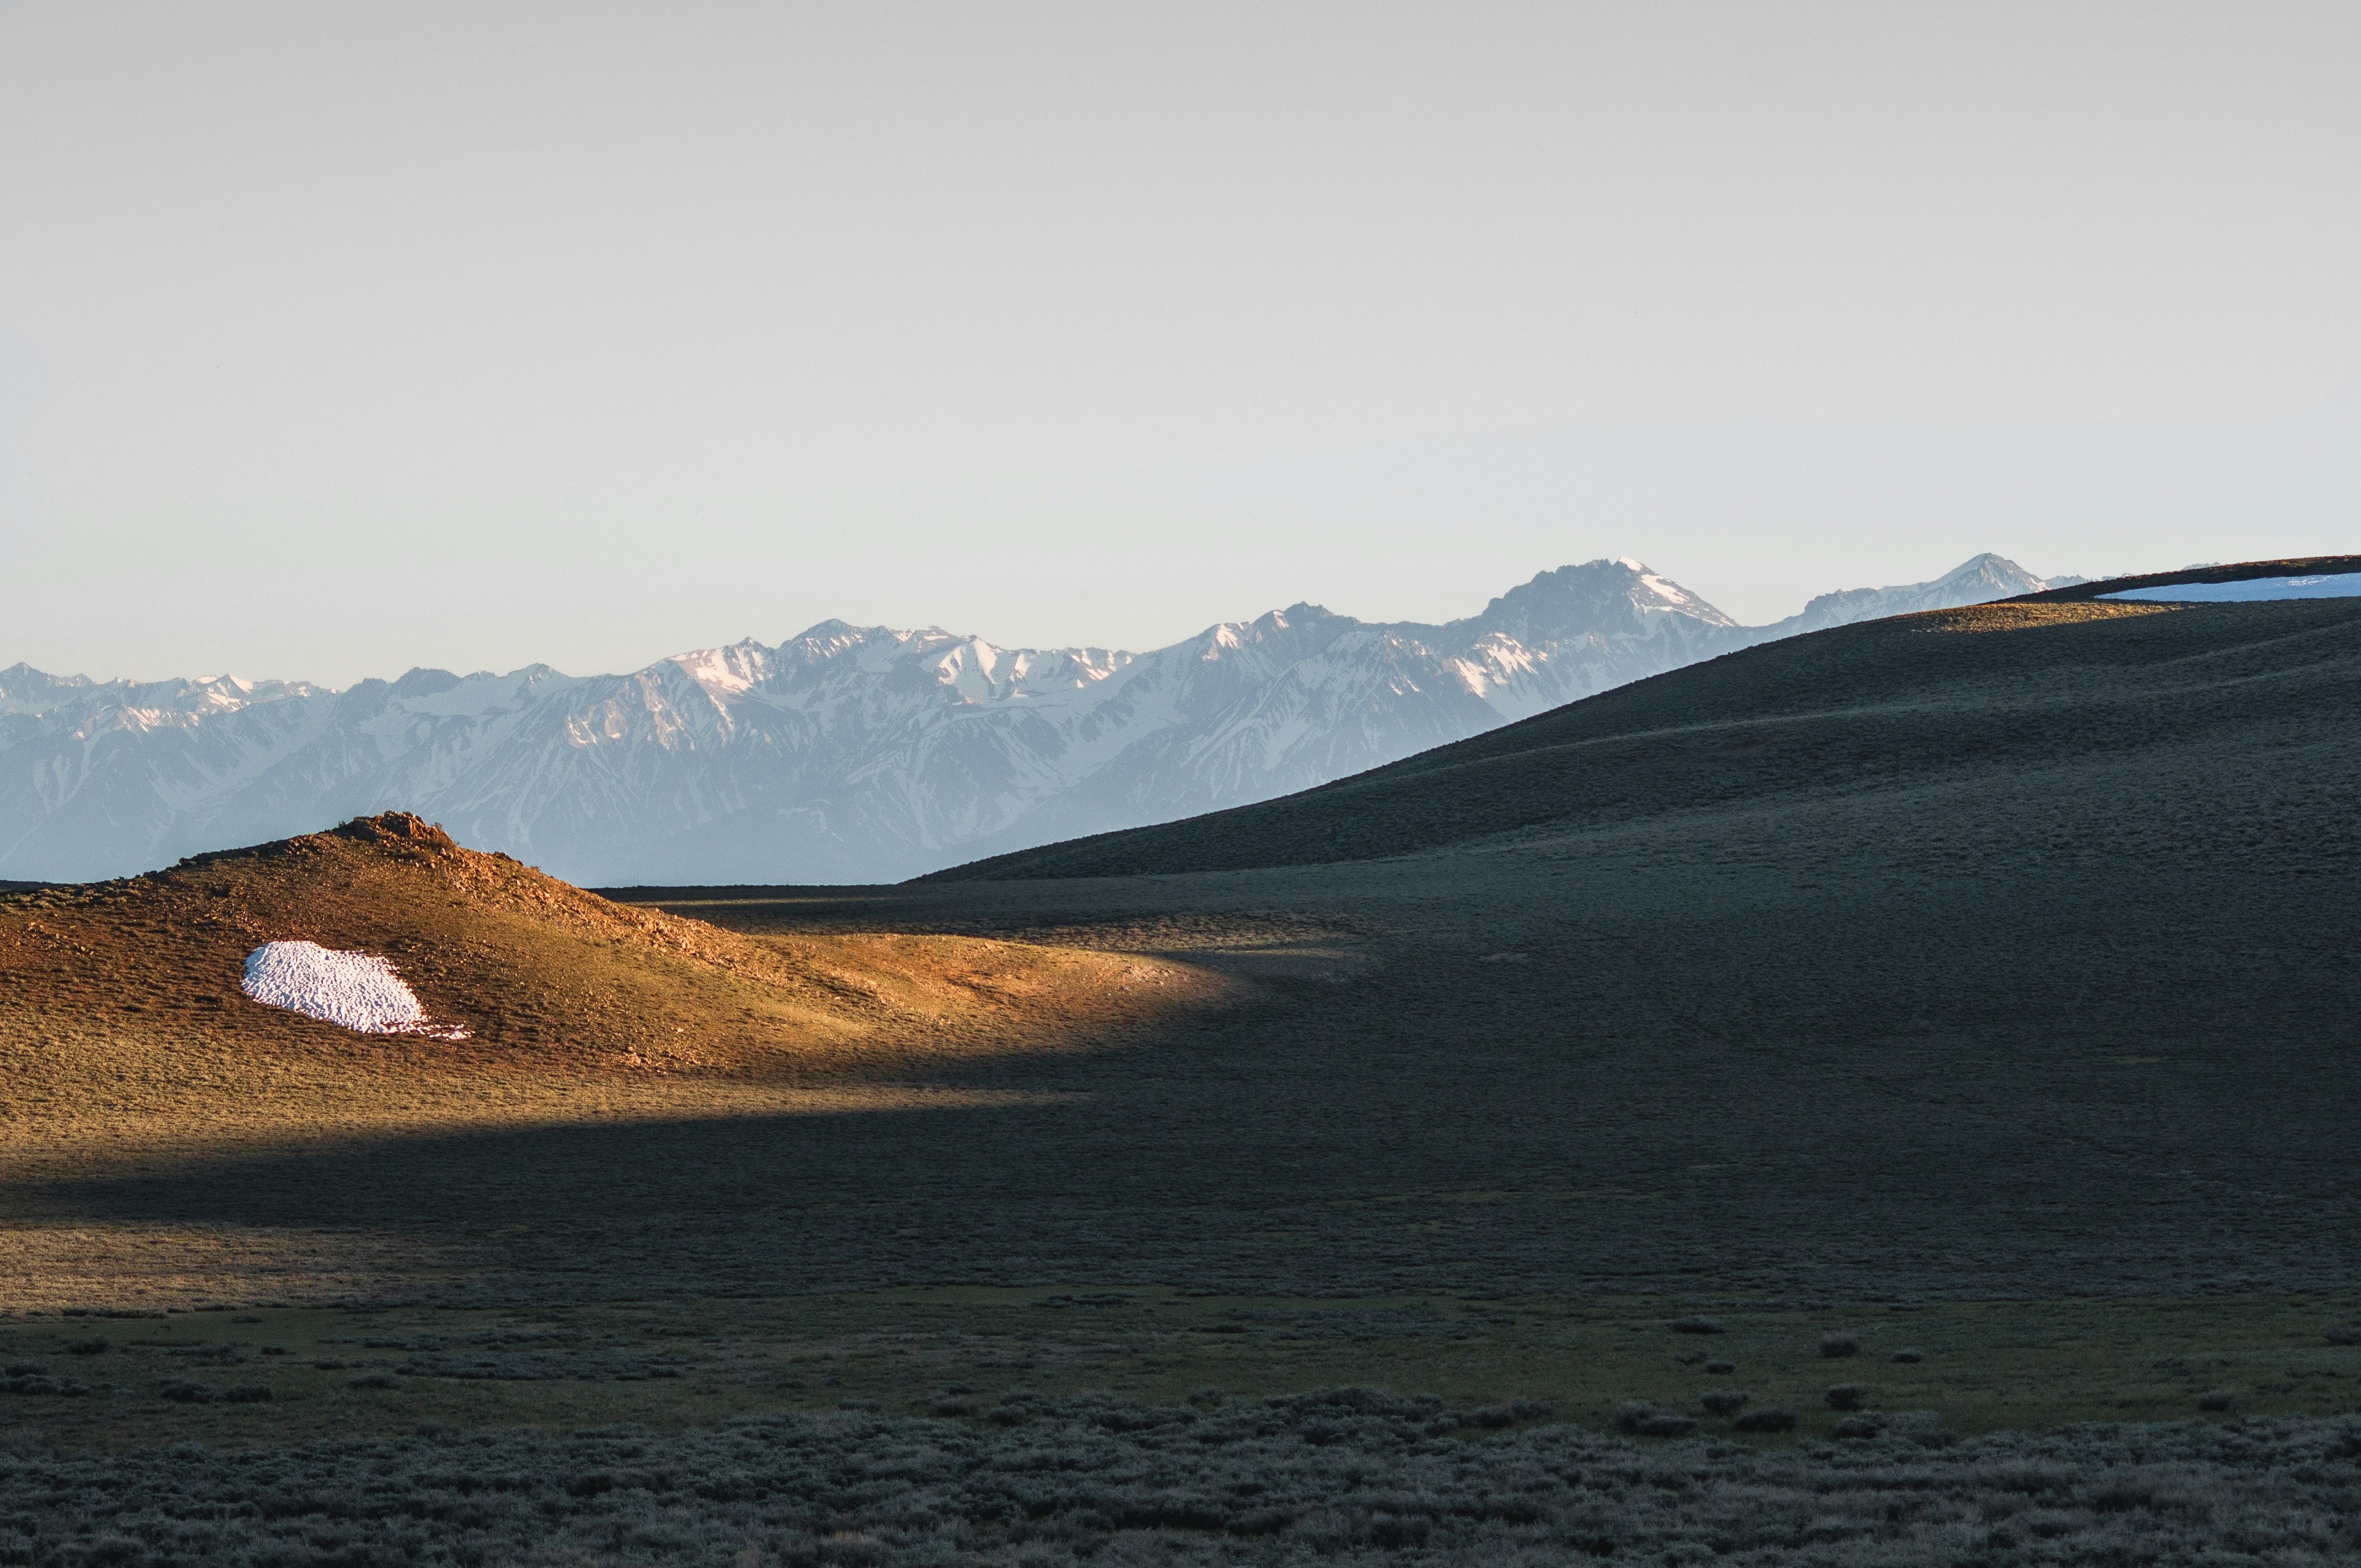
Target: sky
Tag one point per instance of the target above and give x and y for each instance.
(339, 339)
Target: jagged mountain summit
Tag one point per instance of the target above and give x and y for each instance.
(1980, 581)
(847, 754)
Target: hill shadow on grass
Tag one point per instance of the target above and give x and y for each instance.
(2067, 1012)
(1851, 1081)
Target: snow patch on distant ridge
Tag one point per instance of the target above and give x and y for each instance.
(2249, 590)
(355, 990)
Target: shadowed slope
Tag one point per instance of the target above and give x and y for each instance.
(2020, 686)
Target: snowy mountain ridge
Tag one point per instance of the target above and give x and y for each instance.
(845, 752)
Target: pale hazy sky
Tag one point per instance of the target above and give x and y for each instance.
(336, 339)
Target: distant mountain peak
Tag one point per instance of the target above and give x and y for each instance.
(1978, 579)
(845, 752)
(1559, 597)
(1999, 568)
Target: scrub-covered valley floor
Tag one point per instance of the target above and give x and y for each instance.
(1975, 986)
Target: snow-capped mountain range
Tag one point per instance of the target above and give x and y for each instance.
(845, 754)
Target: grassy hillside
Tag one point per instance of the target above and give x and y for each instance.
(123, 1025)
(2018, 688)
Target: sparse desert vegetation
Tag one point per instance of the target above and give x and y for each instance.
(1966, 1098)
(1339, 1476)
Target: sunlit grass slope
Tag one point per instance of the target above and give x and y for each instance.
(122, 1018)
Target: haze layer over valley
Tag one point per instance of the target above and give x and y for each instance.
(846, 754)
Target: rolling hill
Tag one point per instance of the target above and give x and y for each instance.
(2058, 682)
(122, 1019)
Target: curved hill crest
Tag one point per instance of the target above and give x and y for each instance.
(1896, 703)
(124, 1007)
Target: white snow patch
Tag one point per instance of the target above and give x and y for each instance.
(2342, 585)
(356, 991)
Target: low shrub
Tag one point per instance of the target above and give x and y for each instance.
(1924, 1428)
(1696, 1325)
(1644, 1419)
(1508, 1413)
(86, 1347)
(2218, 1399)
(374, 1380)
(1722, 1368)
(42, 1383)
(1836, 1344)
(1766, 1421)
(221, 1354)
(1909, 1357)
(2346, 1333)
(1848, 1396)
(1723, 1401)
(188, 1391)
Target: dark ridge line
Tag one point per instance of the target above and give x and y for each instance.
(2236, 572)
(659, 893)
(1494, 746)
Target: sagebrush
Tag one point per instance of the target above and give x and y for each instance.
(1342, 1476)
